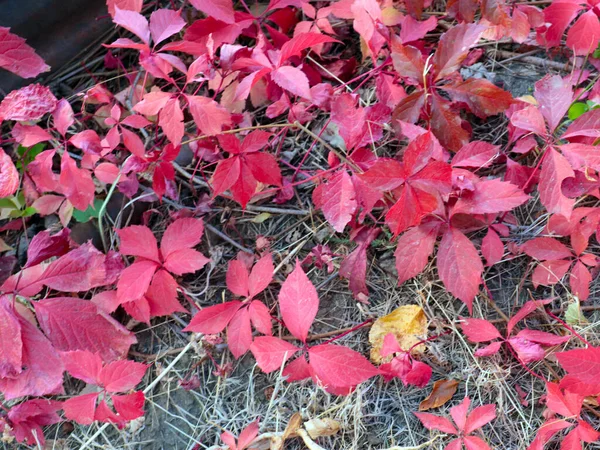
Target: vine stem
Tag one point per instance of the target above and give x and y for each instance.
(568, 327)
(347, 332)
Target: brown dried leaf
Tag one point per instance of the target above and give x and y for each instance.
(442, 391)
(322, 427)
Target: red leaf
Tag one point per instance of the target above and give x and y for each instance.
(527, 309)
(121, 376)
(82, 408)
(134, 22)
(18, 57)
(239, 333)
(413, 30)
(292, 80)
(489, 350)
(170, 120)
(479, 417)
(29, 135)
(164, 23)
(213, 319)
(76, 184)
(181, 234)
(527, 351)
(491, 196)
(550, 272)
(219, 9)
(586, 125)
(130, 406)
(271, 352)
(555, 170)
(131, 5)
(482, 97)
(83, 365)
(162, 295)
(546, 248)
(260, 316)
(9, 176)
(237, 278)
(28, 418)
(581, 156)
(413, 251)
(29, 103)
(541, 337)
(300, 42)
(209, 116)
(476, 154)
(298, 303)
(247, 435)
(584, 34)
(453, 48)
(475, 443)
(447, 125)
(529, 119)
(492, 248)
(479, 330)
(297, 370)
(384, 175)
(75, 324)
(261, 275)
(554, 95)
(354, 266)
(138, 240)
(409, 210)
(338, 366)
(408, 61)
(459, 266)
(433, 422)
(580, 280)
(584, 364)
(349, 119)
(135, 280)
(184, 261)
(337, 199)
(11, 350)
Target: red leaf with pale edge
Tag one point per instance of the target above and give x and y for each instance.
(82, 408)
(260, 316)
(337, 199)
(476, 154)
(584, 364)
(489, 350)
(338, 366)
(292, 80)
(271, 352)
(29, 103)
(229, 440)
(75, 324)
(214, 319)
(181, 234)
(479, 417)
(170, 120)
(152, 103)
(298, 303)
(247, 435)
(130, 406)
(209, 116)
(526, 350)
(475, 443)
(300, 42)
(459, 266)
(408, 61)
(482, 97)
(121, 376)
(413, 251)
(527, 309)
(11, 350)
(162, 295)
(26, 282)
(453, 48)
(584, 34)
(237, 278)
(554, 95)
(479, 330)
(79, 270)
(218, 9)
(28, 418)
(492, 248)
(138, 240)
(297, 370)
(239, 333)
(76, 184)
(546, 248)
(489, 197)
(83, 365)
(261, 275)
(184, 261)
(18, 57)
(43, 369)
(580, 280)
(135, 280)
(131, 5)
(9, 176)
(164, 23)
(541, 337)
(133, 21)
(555, 170)
(433, 422)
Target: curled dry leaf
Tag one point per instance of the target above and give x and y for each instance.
(442, 391)
(408, 323)
(322, 427)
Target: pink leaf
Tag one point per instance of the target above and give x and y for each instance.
(209, 116)
(9, 176)
(459, 266)
(479, 330)
(181, 234)
(555, 170)
(219, 9)
(527, 309)
(134, 22)
(213, 319)
(300, 42)
(298, 303)
(453, 48)
(489, 350)
(297, 370)
(11, 351)
(237, 278)
(526, 350)
(184, 261)
(492, 248)
(550, 272)
(433, 422)
(135, 280)
(130, 406)
(18, 57)
(138, 240)
(239, 333)
(337, 199)
(261, 275)
(580, 280)
(584, 34)
(554, 95)
(529, 119)
(489, 197)
(292, 80)
(28, 418)
(260, 316)
(121, 376)
(76, 183)
(83, 365)
(164, 23)
(75, 324)
(271, 352)
(247, 435)
(339, 366)
(162, 295)
(170, 120)
(131, 5)
(541, 337)
(82, 408)
(29, 103)
(479, 417)
(476, 154)
(546, 248)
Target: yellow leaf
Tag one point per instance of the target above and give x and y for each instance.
(408, 323)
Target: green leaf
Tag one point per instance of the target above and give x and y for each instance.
(28, 154)
(577, 109)
(8, 203)
(573, 315)
(91, 212)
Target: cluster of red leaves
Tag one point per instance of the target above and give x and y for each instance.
(440, 185)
